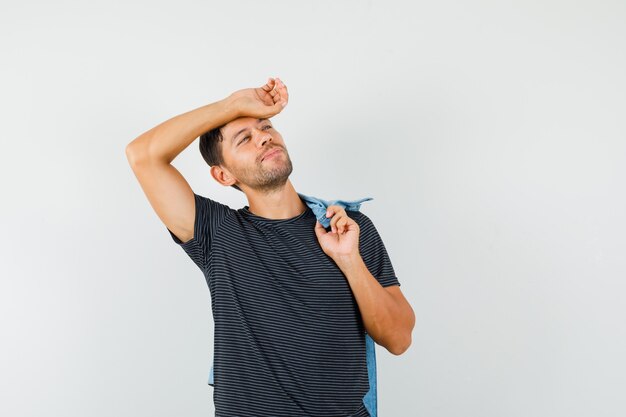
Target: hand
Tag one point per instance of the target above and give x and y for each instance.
(342, 242)
(263, 102)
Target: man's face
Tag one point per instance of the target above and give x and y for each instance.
(247, 141)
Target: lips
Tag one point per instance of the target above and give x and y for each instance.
(270, 153)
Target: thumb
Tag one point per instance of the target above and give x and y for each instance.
(319, 229)
(277, 108)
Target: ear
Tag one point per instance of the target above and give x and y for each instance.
(222, 176)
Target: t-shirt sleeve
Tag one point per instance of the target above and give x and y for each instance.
(208, 217)
(374, 253)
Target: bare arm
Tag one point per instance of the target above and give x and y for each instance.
(387, 315)
(150, 154)
(165, 141)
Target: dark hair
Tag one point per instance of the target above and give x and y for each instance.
(211, 148)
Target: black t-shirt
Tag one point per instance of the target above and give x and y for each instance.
(289, 338)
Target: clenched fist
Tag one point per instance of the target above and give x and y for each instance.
(262, 102)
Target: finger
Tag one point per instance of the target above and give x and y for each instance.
(277, 99)
(281, 84)
(337, 216)
(279, 106)
(282, 88)
(335, 209)
(319, 229)
(271, 84)
(332, 209)
(333, 222)
(330, 212)
(342, 225)
(352, 225)
(342, 220)
(338, 223)
(275, 96)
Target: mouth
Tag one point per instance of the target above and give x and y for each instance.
(271, 153)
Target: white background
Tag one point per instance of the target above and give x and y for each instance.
(491, 136)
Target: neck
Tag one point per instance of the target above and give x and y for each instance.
(280, 203)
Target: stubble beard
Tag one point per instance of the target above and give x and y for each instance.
(270, 175)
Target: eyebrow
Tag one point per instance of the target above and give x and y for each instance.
(245, 129)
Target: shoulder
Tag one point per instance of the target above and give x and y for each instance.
(209, 215)
(361, 219)
(207, 203)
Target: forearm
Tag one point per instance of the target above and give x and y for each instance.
(387, 321)
(165, 141)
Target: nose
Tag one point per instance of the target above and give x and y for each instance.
(265, 137)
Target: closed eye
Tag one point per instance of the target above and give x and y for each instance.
(248, 137)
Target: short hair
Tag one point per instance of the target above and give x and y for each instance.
(211, 143)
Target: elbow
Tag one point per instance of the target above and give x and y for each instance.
(135, 153)
(138, 150)
(142, 150)
(400, 347)
(403, 342)
(131, 153)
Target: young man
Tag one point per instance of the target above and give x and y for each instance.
(291, 300)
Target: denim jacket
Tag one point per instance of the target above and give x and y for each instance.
(318, 206)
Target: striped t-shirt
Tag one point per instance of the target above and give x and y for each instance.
(289, 338)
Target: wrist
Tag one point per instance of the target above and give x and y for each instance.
(349, 262)
(230, 108)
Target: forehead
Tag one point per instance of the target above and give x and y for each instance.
(235, 126)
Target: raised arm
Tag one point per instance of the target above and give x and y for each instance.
(150, 154)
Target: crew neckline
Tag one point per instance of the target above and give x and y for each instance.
(246, 211)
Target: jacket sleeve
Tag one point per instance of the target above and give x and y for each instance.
(373, 251)
(208, 217)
